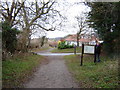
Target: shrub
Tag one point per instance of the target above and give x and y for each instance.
(9, 37)
(63, 45)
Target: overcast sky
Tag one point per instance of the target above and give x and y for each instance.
(68, 9)
(71, 12)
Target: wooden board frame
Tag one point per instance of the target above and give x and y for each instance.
(87, 53)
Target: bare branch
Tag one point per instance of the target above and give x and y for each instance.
(10, 12)
(50, 29)
(5, 16)
(12, 7)
(15, 14)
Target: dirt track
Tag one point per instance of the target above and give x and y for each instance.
(53, 73)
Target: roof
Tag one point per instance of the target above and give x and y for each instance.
(74, 38)
(69, 39)
(80, 40)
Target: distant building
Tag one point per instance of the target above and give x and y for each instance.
(92, 40)
(72, 40)
(53, 42)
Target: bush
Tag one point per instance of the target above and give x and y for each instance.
(9, 37)
(63, 45)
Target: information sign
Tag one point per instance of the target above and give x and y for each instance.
(89, 49)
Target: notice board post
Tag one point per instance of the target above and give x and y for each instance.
(95, 55)
(82, 54)
(88, 49)
(74, 49)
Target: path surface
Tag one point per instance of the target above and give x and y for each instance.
(52, 74)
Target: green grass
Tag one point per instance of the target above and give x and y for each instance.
(100, 75)
(16, 70)
(39, 49)
(69, 50)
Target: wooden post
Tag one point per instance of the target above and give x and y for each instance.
(75, 49)
(82, 54)
(95, 55)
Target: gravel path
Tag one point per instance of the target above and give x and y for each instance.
(53, 73)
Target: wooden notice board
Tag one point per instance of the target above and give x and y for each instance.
(88, 49)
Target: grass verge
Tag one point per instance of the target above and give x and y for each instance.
(15, 71)
(40, 49)
(69, 50)
(101, 75)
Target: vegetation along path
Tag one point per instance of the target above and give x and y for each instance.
(53, 73)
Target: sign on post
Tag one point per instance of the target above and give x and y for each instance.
(88, 49)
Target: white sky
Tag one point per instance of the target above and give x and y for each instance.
(71, 13)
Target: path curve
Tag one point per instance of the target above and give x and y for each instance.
(53, 74)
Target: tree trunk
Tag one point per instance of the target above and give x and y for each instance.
(29, 39)
(25, 40)
(77, 39)
(42, 41)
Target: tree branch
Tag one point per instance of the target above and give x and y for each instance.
(15, 14)
(50, 29)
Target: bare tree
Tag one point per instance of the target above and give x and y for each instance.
(28, 16)
(81, 23)
(10, 10)
(39, 14)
